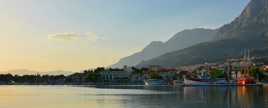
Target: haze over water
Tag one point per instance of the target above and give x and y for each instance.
(132, 97)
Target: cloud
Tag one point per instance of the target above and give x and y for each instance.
(91, 36)
(71, 36)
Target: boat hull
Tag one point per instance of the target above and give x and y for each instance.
(194, 82)
(188, 82)
(155, 83)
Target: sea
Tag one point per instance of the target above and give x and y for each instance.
(33, 96)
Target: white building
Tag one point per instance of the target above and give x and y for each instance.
(116, 74)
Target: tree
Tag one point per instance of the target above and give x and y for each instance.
(216, 73)
(154, 75)
(255, 72)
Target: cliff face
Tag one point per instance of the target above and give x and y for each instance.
(253, 21)
(254, 8)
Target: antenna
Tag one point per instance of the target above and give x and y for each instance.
(245, 54)
(248, 54)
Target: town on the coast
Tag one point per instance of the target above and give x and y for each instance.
(244, 71)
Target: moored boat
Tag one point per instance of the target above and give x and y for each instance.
(155, 82)
(192, 82)
(245, 81)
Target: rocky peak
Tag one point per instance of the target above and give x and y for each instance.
(253, 20)
(256, 9)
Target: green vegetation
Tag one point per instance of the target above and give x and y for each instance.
(154, 75)
(216, 73)
(254, 72)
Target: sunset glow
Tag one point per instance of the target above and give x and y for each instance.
(58, 35)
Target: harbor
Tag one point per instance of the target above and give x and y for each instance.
(244, 71)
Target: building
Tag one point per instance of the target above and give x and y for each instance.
(116, 75)
(157, 72)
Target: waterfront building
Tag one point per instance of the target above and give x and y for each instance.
(116, 75)
(163, 73)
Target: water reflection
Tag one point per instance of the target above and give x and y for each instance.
(226, 97)
(132, 97)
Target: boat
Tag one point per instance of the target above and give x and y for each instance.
(246, 80)
(176, 83)
(155, 82)
(192, 82)
(243, 81)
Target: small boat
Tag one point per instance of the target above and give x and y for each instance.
(191, 82)
(176, 83)
(155, 82)
(246, 80)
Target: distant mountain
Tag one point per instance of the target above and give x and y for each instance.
(26, 71)
(20, 71)
(179, 41)
(248, 31)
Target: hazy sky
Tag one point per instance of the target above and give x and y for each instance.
(79, 34)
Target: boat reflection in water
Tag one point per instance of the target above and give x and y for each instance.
(226, 97)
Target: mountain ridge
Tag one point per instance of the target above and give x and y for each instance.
(246, 32)
(180, 40)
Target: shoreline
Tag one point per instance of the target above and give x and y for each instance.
(126, 85)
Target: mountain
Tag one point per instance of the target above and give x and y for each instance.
(216, 51)
(252, 21)
(26, 71)
(179, 41)
(20, 71)
(249, 31)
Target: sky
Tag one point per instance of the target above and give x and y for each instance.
(47, 35)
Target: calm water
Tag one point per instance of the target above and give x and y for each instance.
(132, 97)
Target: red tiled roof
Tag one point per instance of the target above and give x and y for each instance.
(167, 70)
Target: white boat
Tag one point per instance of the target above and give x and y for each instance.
(197, 82)
(177, 83)
(155, 82)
